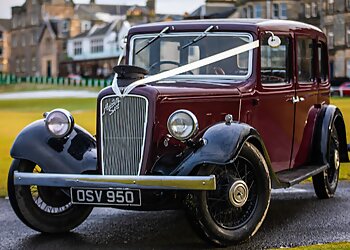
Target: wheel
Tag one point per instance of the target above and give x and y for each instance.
(234, 211)
(326, 182)
(44, 209)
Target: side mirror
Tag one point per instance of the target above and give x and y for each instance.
(273, 41)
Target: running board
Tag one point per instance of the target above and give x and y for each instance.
(291, 177)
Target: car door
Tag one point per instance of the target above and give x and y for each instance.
(306, 97)
(273, 115)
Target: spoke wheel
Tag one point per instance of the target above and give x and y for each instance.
(234, 211)
(235, 199)
(326, 182)
(49, 199)
(44, 209)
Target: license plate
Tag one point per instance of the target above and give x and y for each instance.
(106, 196)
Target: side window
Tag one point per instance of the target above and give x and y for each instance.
(305, 55)
(323, 61)
(275, 62)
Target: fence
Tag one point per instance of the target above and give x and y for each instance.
(12, 79)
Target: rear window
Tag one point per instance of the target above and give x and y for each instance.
(305, 53)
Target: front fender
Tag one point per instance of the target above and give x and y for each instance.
(223, 143)
(74, 154)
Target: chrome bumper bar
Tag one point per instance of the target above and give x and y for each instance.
(116, 181)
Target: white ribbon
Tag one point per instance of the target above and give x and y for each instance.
(191, 66)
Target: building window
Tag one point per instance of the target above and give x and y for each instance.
(23, 21)
(275, 10)
(14, 22)
(330, 39)
(34, 19)
(307, 10)
(314, 9)
(23, 41)
(348, 68)
(78, 50)
(245, 13)
(14, 41)
(32, 39)
(64, 46)
(96, 45)
(18, 65)
(283, 13)
(33, 64)
(23, 65)
(48, 44)
(1, 35)
(347, 35)
(305, 60)
(85, 25)
(258, 10)
(348, 4)
(1, 50)
(250, 12)
(330, 6)
(65, 26)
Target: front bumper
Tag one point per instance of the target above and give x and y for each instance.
(116, 181)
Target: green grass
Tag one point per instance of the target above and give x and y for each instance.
(16, 114)
(340, 245)
(344, 105)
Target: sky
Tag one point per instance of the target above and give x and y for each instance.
(162, 6)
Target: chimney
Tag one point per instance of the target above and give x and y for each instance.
(151, 5)
(92, 1)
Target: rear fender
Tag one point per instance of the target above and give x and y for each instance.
(329, 115)
(74, 154)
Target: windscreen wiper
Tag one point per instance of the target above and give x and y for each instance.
(153, 39)
(200, 37)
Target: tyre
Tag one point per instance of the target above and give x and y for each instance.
(234, 211)
(44, 209)
(326, 182)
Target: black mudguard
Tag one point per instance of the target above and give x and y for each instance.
(329, 115)
(74, 154)
(223, 142)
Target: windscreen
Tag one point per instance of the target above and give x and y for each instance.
(170, 51)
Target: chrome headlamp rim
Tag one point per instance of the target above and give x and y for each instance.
(194, 121)
(70, 120)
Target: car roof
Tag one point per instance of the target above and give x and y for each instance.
(244, 23)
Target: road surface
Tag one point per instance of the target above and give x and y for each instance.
(296, 217)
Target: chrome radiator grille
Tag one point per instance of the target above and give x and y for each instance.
(123, 131)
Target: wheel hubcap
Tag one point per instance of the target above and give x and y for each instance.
(336, 159)
(238, 193)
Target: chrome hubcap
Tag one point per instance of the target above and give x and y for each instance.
(238, 193)
(336, 159)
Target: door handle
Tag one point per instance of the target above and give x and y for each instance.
(296, 99)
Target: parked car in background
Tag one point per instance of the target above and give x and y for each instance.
(345, 89)
(214, 113)
(342, 90)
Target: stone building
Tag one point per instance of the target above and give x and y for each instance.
(5, 48)
(336, 24)
(29, 24)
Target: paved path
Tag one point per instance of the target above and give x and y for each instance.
(296, 217)
(43, 94)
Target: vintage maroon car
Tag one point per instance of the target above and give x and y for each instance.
(206, 115)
